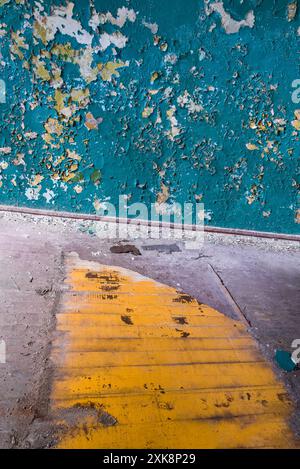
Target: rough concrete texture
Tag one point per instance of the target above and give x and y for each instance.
(241, 277)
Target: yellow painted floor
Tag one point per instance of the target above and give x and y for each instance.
(140, 365)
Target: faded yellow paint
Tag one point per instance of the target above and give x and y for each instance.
(140, 365)
(109, 69)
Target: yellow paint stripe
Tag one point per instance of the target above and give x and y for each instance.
(154, 343)
(163, 357)
(89, 303)
(242, 432)
(140, 365)
(180, 405)
(113, 319)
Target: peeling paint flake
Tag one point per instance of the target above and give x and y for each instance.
(251, 146)
(291, 11)
(48, 195)
(40, 69)
(163, 195)
(152, 26)
(183, 101)
(230, 25)
(175, 129)
(91, 123)
(18, 43)
(111, 68)
(5, 150)
(116, 39)
(147, 111)
(123, 14)
(60, 20)
(33, 193)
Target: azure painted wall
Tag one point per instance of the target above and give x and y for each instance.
(161, 100)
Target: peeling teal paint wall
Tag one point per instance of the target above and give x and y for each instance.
(177, 101)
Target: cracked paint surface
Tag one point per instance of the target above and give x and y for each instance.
(125, 97)
(138, 364)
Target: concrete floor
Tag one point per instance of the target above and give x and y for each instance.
(245, 278)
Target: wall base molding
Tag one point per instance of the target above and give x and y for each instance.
(207, 229)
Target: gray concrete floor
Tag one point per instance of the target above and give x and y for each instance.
(253, 279)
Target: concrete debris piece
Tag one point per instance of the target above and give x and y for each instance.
(42, 291)
(125, 249)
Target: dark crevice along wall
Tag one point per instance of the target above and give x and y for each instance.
(160, 100)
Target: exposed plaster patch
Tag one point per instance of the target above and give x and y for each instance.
(48, 195)
(52, 86)
(33, 193)
(152, 26)
(175, 129)
(84, 61)
(91, 122)
(3, 31)
(296, 122)
(78, 189)
(60, 20)
(116, 38)
(251, 146)
(111, 68)
(5, 150)
(291, 11)
(123, 14)
(40, 69)
(147, 111)
(185, 100)
(18, 43)
(163, 195)
(36, 180)
(230, 25)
